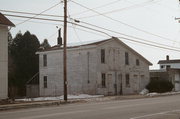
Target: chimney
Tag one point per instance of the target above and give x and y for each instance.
(167, 57)
(59, 39)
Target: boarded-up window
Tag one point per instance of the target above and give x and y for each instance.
(45, 60)
(137, 62)
(127, 80)
(45, 81)
(126, 58)
(102, 55)
(103, 76)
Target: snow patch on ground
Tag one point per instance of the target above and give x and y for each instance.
(80, 96)
(161, 94)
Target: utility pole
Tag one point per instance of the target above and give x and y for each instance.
(64, 53)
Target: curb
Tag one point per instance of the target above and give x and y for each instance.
(34, 104)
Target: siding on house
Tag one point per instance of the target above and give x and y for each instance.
(85, 69)
(4, 23)
(3, 62)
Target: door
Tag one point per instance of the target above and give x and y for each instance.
(177, 82)
(110, 84)
(120, 86)
(136, 84)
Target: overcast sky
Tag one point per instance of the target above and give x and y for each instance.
(155, 17)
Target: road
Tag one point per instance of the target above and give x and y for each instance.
(167, 107)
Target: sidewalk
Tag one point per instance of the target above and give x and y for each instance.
(33, 104)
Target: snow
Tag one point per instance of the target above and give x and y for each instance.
(144, 91)
(161, 94)
(80, 96)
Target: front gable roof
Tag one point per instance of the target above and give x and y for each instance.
(98, 43)
(5, 21)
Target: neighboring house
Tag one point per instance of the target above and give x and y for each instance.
(169, 70)
(4, 24)
(107, 67)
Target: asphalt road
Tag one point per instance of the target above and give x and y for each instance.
(167, 107)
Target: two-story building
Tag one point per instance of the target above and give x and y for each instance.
(168, 70)
(4, 24)
(107, 67)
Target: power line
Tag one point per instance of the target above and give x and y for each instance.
(20, 16)
(51, 16)
(38, 14)
(45, 19)
(117, 10)
(29, 13)
(100, 31)
(123, 22)
(149, 44)
(126, 34)
(104, 5)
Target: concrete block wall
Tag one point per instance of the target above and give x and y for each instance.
(80, 71)
(115, 64)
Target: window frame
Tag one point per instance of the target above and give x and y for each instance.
(44, 60)
(103, 56)
(127, 76)
(103, 80)
(126, 58)
(137, 62)
(45, 82)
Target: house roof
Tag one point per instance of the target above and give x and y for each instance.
(168, 61)
(57, 47)
(5, 21)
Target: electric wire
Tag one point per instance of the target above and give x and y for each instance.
(118, 21)
(117, 10)
(162, 47)
(29, 13)
(39, 13)
(104, 5)
(54, 16)
(126, 34)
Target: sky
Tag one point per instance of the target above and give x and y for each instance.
(150, 20)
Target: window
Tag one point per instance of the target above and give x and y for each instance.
(44, 60)
(45, 81)
(162, 66)
(127, 80)
(103, 76)
(137, 62)
(102, 55)
(126, 58)
(168, 67)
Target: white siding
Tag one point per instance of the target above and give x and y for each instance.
(3, 62)
(172, 65)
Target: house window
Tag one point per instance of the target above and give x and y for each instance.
(162, 66)
(103, 77)
(168, 67)
(137, 62)
(102, 55)
(127, 80)
(126, 58)
(45, 81)
(45, 60)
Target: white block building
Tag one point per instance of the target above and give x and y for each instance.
(4, 24)
(107, 67)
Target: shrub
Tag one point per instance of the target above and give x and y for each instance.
(160, 86)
